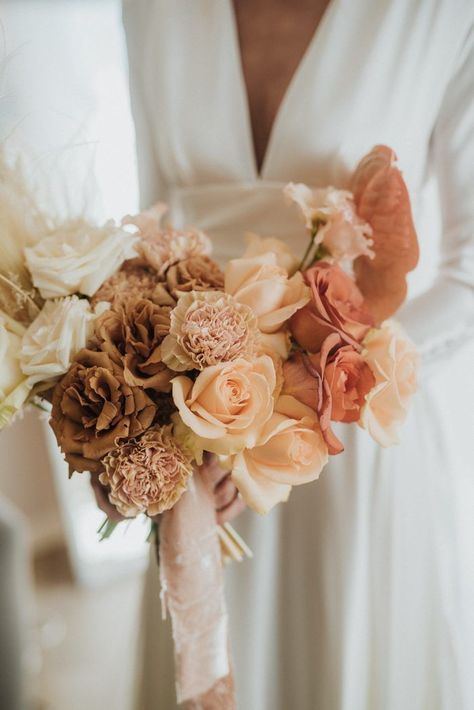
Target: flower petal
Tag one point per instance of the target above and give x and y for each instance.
(382, 200)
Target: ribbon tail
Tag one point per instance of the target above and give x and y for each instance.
(192, 575)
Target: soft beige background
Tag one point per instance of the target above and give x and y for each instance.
(64, 105)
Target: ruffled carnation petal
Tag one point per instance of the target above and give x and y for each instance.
(93, 406)
(148, 474)
(208, 328)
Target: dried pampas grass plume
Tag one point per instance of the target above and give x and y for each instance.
(22, 223)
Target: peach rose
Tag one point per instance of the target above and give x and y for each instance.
(259, 282)
(275, 344)
(256, 246)
(228, 404)
(334, 382)
(393, 359)
(337, 306)
(290, 451)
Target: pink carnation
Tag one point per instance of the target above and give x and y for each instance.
(341, 231)
(208, 327)
(160, 247)
(146, 475)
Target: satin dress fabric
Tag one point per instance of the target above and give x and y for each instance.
(359, 596)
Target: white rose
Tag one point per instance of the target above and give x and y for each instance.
(78, 258)
(56, 336)
(13, 387)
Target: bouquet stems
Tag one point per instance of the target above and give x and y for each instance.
(106, 529)
(233, 547)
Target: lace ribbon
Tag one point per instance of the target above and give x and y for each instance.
(192, 586)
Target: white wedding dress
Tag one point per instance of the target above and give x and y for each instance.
(361, 592)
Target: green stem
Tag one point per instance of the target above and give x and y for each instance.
(316, 225)
(305, 256)
(153, 535)
(106, 529)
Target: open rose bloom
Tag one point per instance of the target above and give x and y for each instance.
(152, 355)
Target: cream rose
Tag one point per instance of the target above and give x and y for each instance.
(258, 282)
(56, 336)
(14, 389)
(228, 404)
(256, 246)
(289, 452)
(393, 359)
(78, 258)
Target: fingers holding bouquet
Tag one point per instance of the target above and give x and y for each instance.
(102, 499)
(227, 501)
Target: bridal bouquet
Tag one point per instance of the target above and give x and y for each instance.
(152, 355)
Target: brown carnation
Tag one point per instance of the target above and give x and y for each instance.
(134, 281)
(165, 406)
(199, 273)
(93, 407)
(131, 333)
(146, 475)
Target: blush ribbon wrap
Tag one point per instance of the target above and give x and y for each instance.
(192, 591)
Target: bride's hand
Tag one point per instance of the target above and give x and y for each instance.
(227, 501)
(102, 499)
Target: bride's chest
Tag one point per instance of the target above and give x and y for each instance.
(272, 41)
(374, 73)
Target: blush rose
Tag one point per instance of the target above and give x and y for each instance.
(334, 382)
(336, 306)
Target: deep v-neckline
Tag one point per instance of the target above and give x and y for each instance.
(260, 174)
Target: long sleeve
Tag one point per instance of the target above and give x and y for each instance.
(151, 183)
(443, 317)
